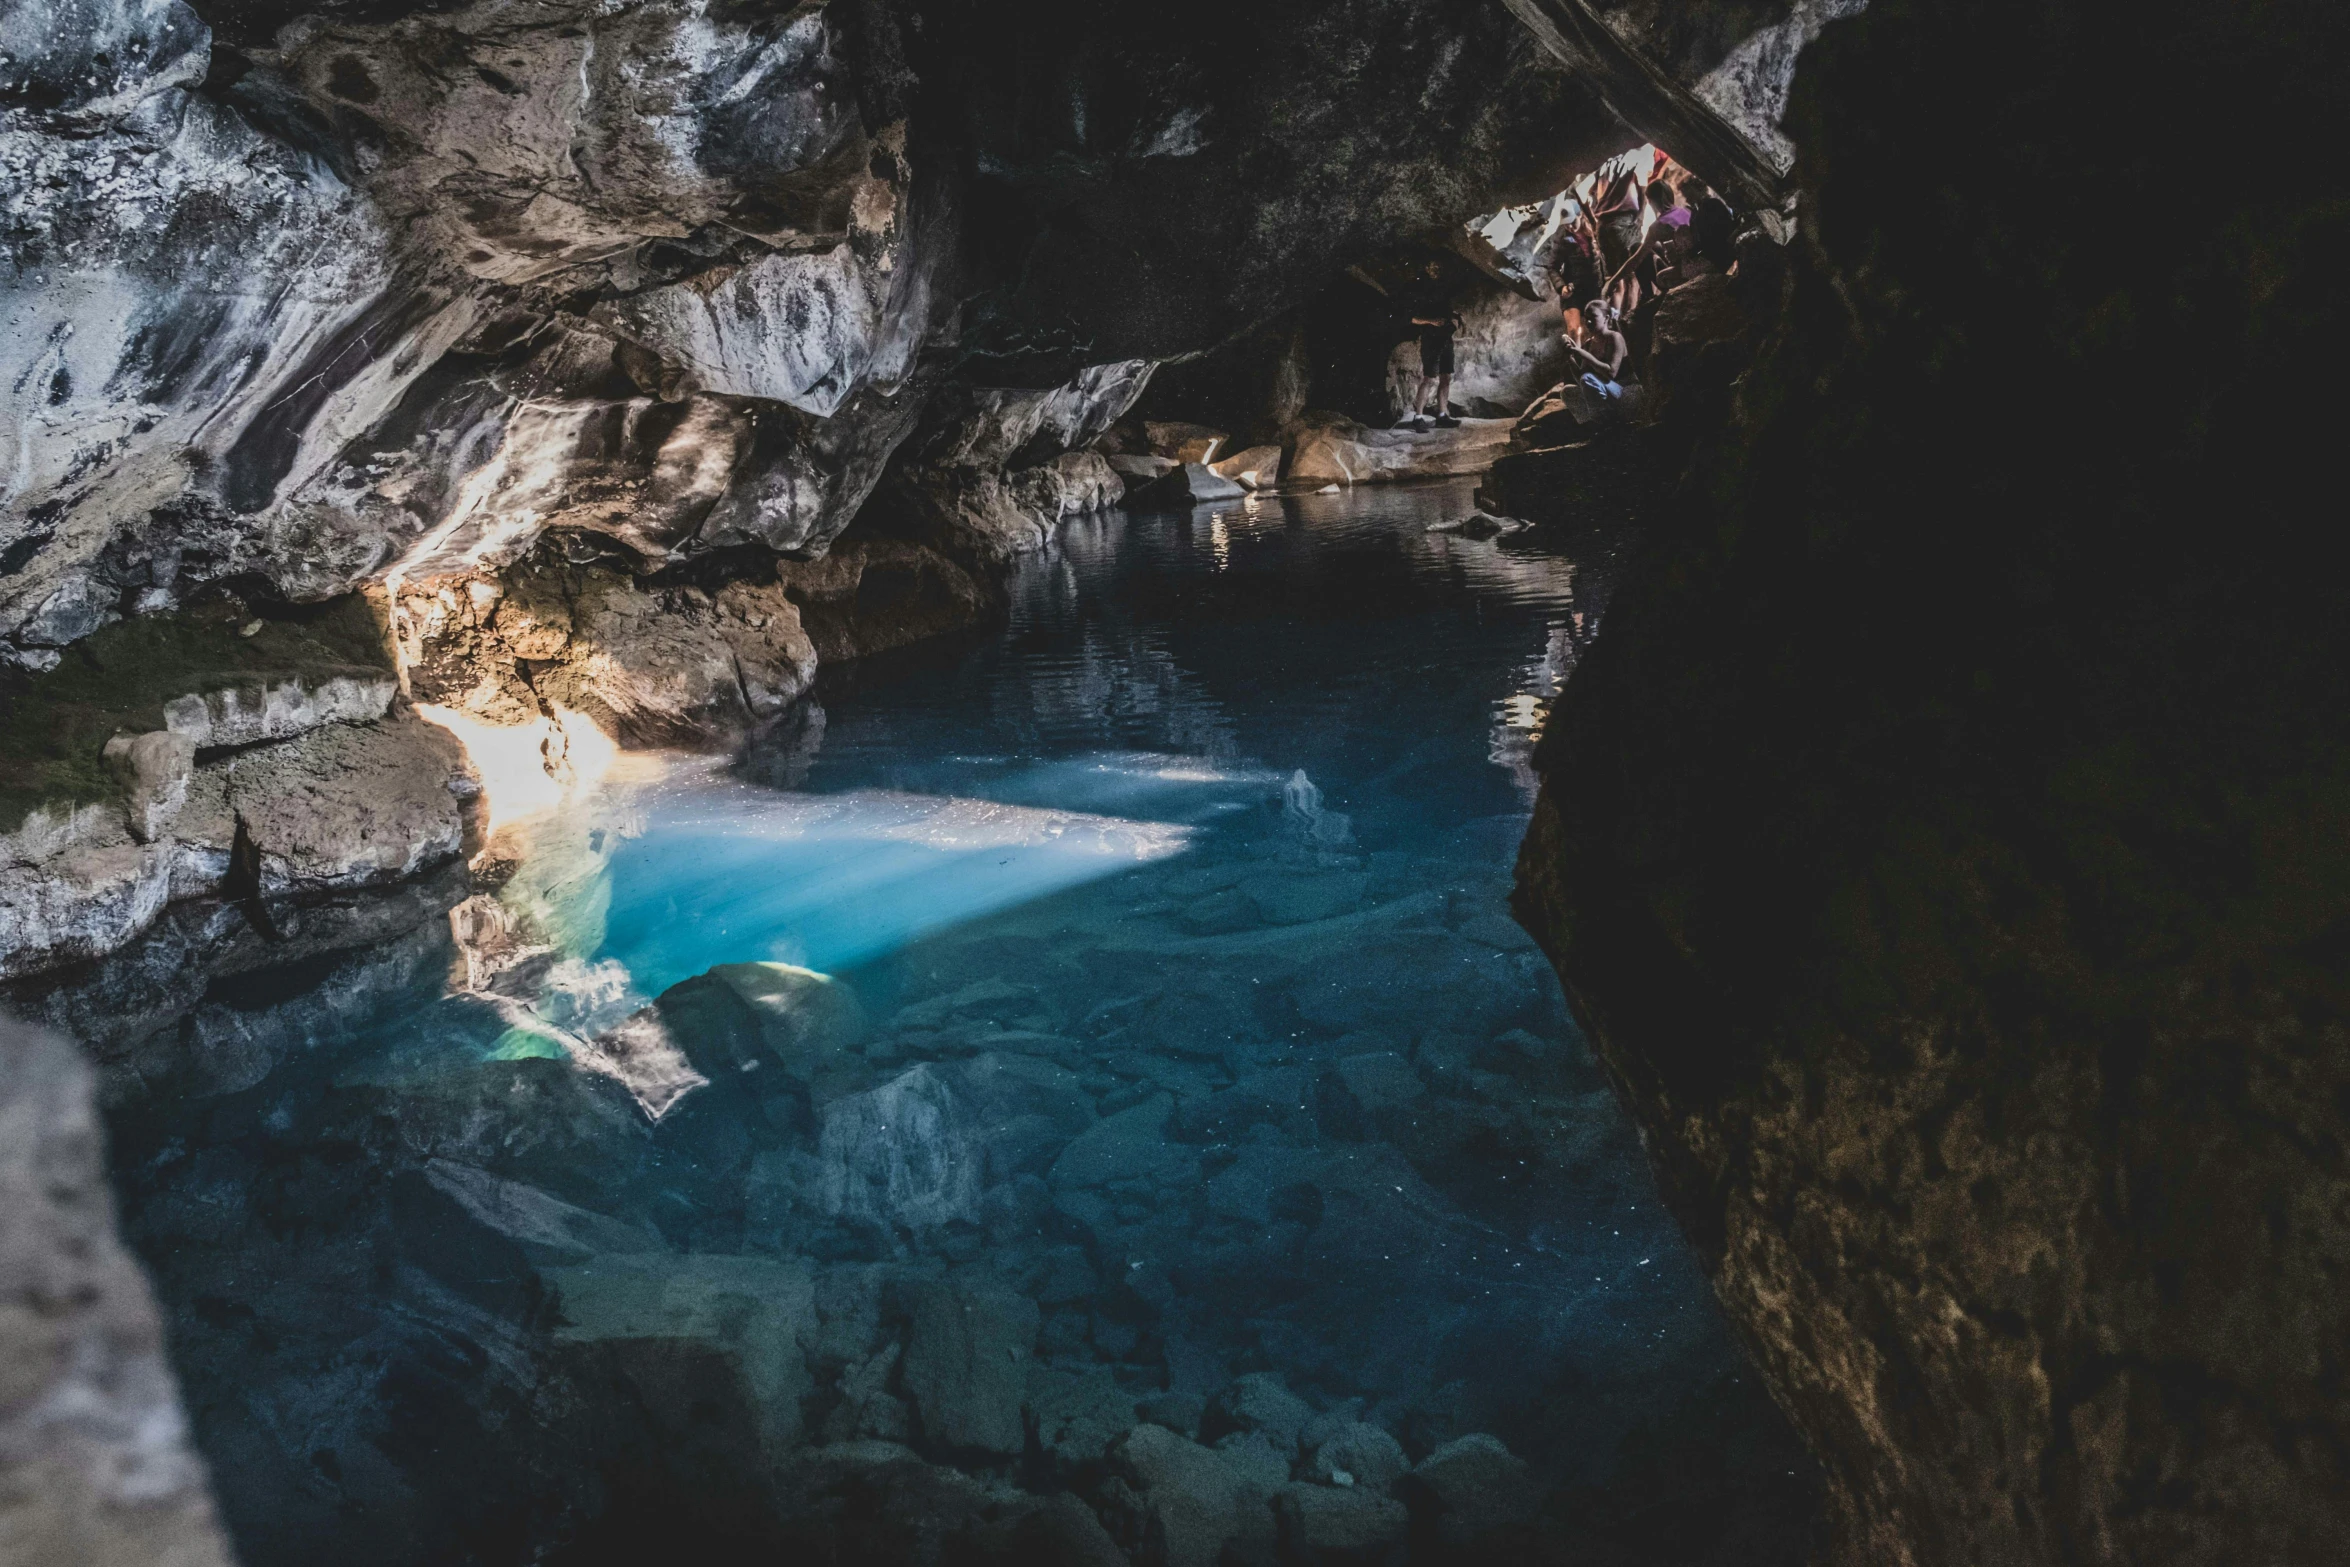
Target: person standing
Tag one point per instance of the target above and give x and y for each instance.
(1615, 211)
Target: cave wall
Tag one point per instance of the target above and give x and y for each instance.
(1945, 845)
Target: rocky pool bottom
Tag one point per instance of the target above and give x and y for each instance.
(1074, 1095)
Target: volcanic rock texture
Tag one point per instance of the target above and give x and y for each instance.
(1946, 842)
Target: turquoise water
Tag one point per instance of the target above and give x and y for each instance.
(1148, 969)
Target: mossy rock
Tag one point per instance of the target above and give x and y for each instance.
(54, 726)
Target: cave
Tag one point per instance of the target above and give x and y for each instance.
(776, 784)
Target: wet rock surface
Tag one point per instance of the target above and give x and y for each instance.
(1959, 950)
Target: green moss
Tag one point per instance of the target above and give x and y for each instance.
(54, 726)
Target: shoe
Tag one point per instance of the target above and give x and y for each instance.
(1447, 422)
(1419, 426)
(1408, 422)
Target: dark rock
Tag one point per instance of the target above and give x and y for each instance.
(1474, 1488)
(967, 1365)
(1319, 1523)
(1952, 924)
(1259, 1403)
(1178, 1412)
(1193, 484)
(1357, 1454)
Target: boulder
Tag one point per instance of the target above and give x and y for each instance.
(966, 1367)
(1193, 484)
(1131, 1145)
(1260, 1403)
(901, 1154)
(1332, 448)
(1079, 1414)
(1472, 1487)
(1135, 471)
(343, 805)
(1258, 468)
(1358, 1454)
(548, 1229)
(1194, 1503)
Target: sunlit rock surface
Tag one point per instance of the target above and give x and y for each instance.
(1944, 842)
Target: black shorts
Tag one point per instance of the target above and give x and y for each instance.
(1436, 353)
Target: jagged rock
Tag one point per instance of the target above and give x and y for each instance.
(1316, 1518)
(1475, 1486)
(647, 665)
(1193, 484)
(233, 715)
(966, 1367)
(1330, 447)
(342, 806)
(1358, 1454)
(96, 1468)
(1480, 525)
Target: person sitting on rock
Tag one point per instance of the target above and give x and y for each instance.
(1602, 354)
(1437, 321)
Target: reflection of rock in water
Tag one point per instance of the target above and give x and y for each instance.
(781, 754)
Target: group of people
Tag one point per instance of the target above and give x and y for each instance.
(1607, 269)
(1690, 235)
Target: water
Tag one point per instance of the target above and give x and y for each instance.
(1151, 994)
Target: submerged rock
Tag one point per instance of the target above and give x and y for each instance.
(1474, 1487)
(966, 1367)
(1320, 1522)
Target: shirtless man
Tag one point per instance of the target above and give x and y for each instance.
(1600, 351)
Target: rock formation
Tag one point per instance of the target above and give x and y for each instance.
(1944, 841)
